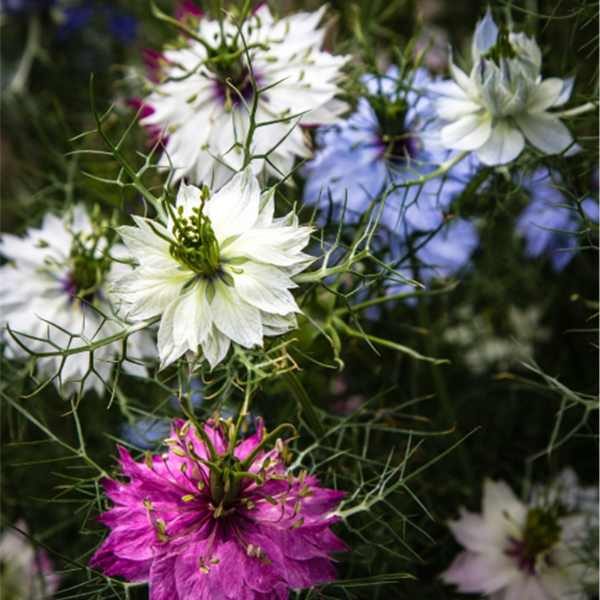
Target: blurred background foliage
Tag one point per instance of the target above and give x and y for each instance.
(383, 402)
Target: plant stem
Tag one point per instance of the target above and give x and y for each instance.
(19, 81)
(298, 391)
(439, 383)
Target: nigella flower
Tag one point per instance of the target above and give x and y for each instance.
(218, 272)
(516, 551)
(549, 224)
(504, 100)
(385, 143)
(204, 95)
(26, 572)
(218, 518)
(53, 296)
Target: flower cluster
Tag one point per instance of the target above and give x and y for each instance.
(218, 518)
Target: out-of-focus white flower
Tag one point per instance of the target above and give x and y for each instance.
(570, 494)
(203, 98)
(518, 552)
(219, 271)
(25, 573)
(504, 101)
(53, 296)
(483, 347)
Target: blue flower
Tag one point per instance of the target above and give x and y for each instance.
(76, 17)
(14, 7)
(385, 143)
(122, 27)
(146, 433)
(549, 224)
(440, 255)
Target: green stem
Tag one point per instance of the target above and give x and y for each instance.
(392, 298)
(441, 170)
(90, 347)
(247, 462)
(387, 343)
(298, 391)
(578, 110)
(19, 81)
(439, 382)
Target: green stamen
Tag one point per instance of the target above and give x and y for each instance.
(195, 244)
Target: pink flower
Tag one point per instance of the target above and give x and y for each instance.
(207, 521)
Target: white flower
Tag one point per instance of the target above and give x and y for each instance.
(53, 297)
(25, 572)
(518, 552)
(504, 100)
(219, 271)
(206, 121)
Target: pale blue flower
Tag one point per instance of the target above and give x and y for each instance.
(549, 224)
(146, 433)
(369, 154)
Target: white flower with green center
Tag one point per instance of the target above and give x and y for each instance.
(504, 101)
(515, 551)
(53, 297)
(219, 271)
(204, 93)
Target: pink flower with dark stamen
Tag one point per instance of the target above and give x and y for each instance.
(241, 527)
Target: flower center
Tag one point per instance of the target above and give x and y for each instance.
(233, 85)
(541, 533)
(225, 486)
(502, 48)
(397, 141)
(195, 244)
(86, 273)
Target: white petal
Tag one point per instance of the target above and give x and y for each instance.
(193, 319)
(234, 208)
(468, 133)
(546, 132)
(486, 34)
(565, 93)
(235, 318)
(215, 347)
(545, 94)
(280, 246)
(266, 288)
(463, 80)
(500, 504)
(479, 573)
(170, 348)
(504, 145)
(277, 324)
(529, 588)
(451, 109)
(472, 532)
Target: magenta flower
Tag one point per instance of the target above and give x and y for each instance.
(210, 519)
